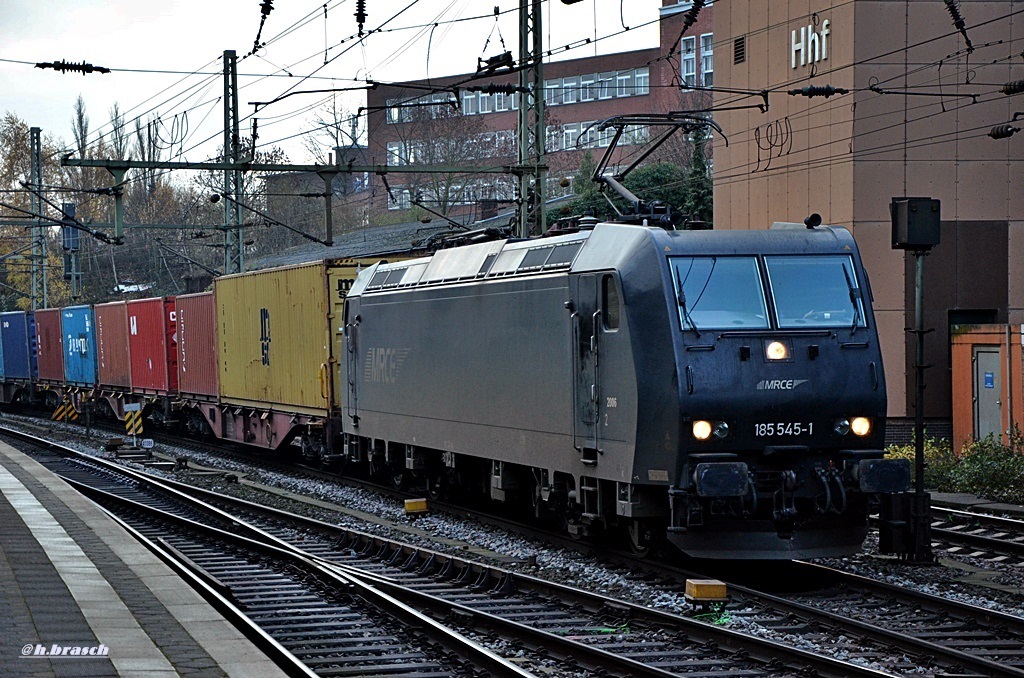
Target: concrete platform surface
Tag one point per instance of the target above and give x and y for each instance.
(968, 502)
(80, 597)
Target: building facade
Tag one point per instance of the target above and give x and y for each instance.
(915, 99)
(447, 121)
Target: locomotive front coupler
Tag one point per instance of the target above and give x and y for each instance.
(784, 500)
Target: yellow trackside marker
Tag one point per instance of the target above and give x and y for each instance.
(133, 422)
(415, 506)
(65, 411)
(705, 591)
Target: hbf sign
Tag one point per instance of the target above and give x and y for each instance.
(811, 45)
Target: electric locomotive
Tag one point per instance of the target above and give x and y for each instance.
(721, 390)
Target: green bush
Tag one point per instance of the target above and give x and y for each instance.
(939, 461)
(988, 468)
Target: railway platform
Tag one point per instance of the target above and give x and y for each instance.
(80, 597)
(967, 502)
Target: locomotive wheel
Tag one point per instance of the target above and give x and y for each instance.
(535, 498)
(398, 478)
(437, 485)
(644, 537)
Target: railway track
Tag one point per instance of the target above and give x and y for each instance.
(979, 535)
(590, 632)
(860, 619)
(329, 621)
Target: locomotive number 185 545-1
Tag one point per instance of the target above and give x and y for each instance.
(783, 428)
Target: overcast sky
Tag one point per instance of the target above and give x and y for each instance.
(186, 38)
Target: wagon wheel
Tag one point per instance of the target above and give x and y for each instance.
(437, 484)
(644, 536)
(399, 480)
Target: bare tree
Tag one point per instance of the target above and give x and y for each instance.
(332, 127)
(120, 139)
(441, 135)
(80, 127)
(147, 147)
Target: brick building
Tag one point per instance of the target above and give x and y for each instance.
(444, 123)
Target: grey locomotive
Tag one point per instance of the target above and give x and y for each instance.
(722, 390)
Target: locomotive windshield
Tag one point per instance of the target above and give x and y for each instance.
(815, 291)
(719, 293)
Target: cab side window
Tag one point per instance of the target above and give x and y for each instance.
(610, 303)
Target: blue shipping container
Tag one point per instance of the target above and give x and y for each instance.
(79, 345)
(18, 331)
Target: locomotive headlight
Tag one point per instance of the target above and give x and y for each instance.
(776, 350)
(842, 426)
(860, 426)
(721, 429)
(701, 429)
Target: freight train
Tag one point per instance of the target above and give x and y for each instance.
(721, 391)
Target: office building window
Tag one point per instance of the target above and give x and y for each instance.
(642, 81)
(589, 130)
(588, 87)
(395, 153)
(551, 89)
(688, 56)
(399, 200)
(570, 131)
(707, 60)
(570, 89)
(552, 138)
(624, 84)
(469, 103)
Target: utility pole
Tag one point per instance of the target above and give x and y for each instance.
(234, 238)
(40, 298)
(532, 134)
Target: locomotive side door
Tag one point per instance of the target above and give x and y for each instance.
(350, 331)
(586, 349)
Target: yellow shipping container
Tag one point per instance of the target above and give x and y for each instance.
(279, 334)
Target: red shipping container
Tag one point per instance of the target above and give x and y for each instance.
(153, 347)
(197, 344)
(49, 346)
(114, 363)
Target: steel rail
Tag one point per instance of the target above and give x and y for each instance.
(727, 638)
(470, 650)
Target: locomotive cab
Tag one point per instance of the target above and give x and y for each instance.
(782, 396)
